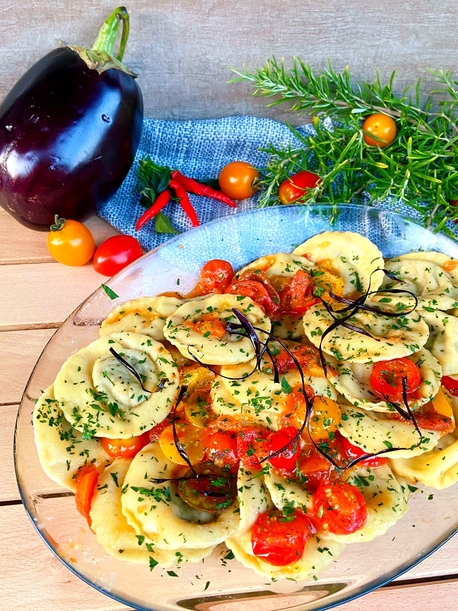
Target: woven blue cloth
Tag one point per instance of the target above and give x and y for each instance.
(200, 149)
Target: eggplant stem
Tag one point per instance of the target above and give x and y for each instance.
(108, 33)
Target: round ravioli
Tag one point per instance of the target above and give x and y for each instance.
(144, 315)
(449, 264)
(352, 380)
(346, 254)
(434, 287)
(119, 386)
(62, 449)
(443, 339)
(437, 468)
(156, 511)
(386, 501)
(198, 329)
(253, 498)
(119, 538)
(376, 432)
(381, 337)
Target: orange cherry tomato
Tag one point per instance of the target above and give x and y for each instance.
(222, 449)
(382, 127)
(238, 180)
(313, 467)
(127, 448)
(86, 482)
(294, 187)
(279, 539)
(215, 277)
(70, 242)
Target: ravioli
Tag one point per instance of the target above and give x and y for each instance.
(154, 509)
(62, 449)
(191, 329)
(348, 255)
(387, 338)
(101, 397)
(119, 538)
(353, 382)
(443, 339)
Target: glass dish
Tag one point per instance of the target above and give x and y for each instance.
(216, 583)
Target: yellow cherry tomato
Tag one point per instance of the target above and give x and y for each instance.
(70, 242)
(238, 180)
(382, 127)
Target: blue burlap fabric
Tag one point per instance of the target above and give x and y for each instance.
(200, 149)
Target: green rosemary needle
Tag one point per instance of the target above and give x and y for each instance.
(419, 168)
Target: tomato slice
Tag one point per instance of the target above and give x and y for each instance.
(339, 506)
(386, 377)
(451, 384)
(258, 292)
(280, 538)
(285, 439)
(215, 277)
(222, 449)
(125, 448)
(250, 445)
(86, 482)
(297, 297)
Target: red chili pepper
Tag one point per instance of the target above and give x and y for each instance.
(193, 186)
(160, 202)
(185, 202)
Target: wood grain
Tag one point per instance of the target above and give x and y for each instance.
(23, 245)
(8, 489)
(182, 51)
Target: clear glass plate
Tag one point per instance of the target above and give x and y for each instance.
(217, 584)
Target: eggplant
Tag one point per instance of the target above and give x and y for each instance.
(69, 130)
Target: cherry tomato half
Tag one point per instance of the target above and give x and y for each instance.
(215, 276)
(339, 506)
(250, 445)
(294, 187)
(297, 297)
(451, 384)
(280, 539)
(70, 242)
(222, 449)
(238, 180)
(115, 253)
(258, 292)
(285, 442)
(386, 377)
(86, 481)
(126, 448)
(382, 127)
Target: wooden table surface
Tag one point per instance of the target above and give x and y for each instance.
(37, 295)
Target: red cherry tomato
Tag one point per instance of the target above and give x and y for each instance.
(382, 127)
(294, 187)
(451, 384)
(126, 448)
(215, 276)
(282, 439)
(258, 292)
(238, 180)
(297, 297)
(222, 449)
(350, 452)
(86, 481)
(386, 377)
(116, 253)
(339, 506)
(280, 539)
(250, 445)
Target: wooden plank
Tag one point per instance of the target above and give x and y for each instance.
(8, 489)
(19, 351)
(23, 245)
(43, 295)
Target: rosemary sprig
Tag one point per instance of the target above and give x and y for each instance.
(420, 167)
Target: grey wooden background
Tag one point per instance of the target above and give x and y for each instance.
(181, 49)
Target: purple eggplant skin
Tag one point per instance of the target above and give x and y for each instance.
(68, 137)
